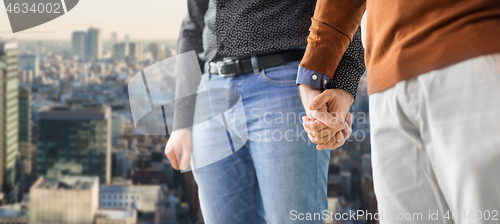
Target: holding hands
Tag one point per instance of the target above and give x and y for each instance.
(328, 122)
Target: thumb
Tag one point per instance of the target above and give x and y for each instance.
(320, 100)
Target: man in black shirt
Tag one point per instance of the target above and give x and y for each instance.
(255, 47)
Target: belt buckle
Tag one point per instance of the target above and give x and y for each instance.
(219, 69)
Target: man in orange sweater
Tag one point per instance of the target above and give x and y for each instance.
(434, 83)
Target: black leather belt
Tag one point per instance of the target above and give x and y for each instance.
(231, 67)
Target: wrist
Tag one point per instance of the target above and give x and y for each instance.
(307, 94)
(345, 95)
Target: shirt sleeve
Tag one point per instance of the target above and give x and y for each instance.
(313, 78)
(333, 27)
(190, 38)
(347, 75)
(351, 67)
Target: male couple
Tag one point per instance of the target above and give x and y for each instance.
(434, 79)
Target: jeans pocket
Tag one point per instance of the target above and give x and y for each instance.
(280, 75)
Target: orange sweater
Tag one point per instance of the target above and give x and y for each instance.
(404, 38)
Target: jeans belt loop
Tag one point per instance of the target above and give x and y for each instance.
(255, 65)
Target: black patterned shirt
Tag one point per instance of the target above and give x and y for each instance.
(228, 28)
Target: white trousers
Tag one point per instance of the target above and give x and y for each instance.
(436, 145)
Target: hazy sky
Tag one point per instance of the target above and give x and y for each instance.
(141, 19)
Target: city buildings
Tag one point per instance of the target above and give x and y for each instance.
(25, 125)
(115, 216)
(117, 127)
(94, 43)
(131, 51)
(28, 66)
(121, 162)
(9, 114)
(14, 213)
(64, 200)
(114, 37)
(75, 140)
(25, 162)
(157, 51)
(78, 43)
(333, 206)
(143, 198)
(87, 44)
(135, 50)
(68, 135)
(120, 51)
(3, 166)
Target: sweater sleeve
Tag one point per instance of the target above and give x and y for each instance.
(332, 30)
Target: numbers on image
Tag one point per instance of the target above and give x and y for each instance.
(34, 8)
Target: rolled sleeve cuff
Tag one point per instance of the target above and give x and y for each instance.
(312, 78)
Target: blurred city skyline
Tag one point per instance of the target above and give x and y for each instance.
(141, 20)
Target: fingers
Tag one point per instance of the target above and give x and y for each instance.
(314, 125)
(333, 143)
(170, 153)
(327, 119)
(317, 140)
(320, 100)
(348, 119)
(326, 145)
(178, 152)
(305, 118)
(335, 146)
(186, 156)
(341, 138)
(348, 130)
(327, 132)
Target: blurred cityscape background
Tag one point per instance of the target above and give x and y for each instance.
(69, 152)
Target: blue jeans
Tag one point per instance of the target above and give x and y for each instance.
(278, 173)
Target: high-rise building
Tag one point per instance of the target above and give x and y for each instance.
(74, 141)
(40, 49)
(94, 43)
(9, 112)
(117, 127)
(120, 51)
(25, 127)
(157, 51)
(68, 200)
(2, 153)
(135, 50)
(114, 37)
(79, 43)
(24, 168)
(29, 63)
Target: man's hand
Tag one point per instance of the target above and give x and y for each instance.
(320, 112)
(326, 137)
(326, 114)
(178, 148)
(337, 102)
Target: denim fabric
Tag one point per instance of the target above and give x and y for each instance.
(278, 169)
